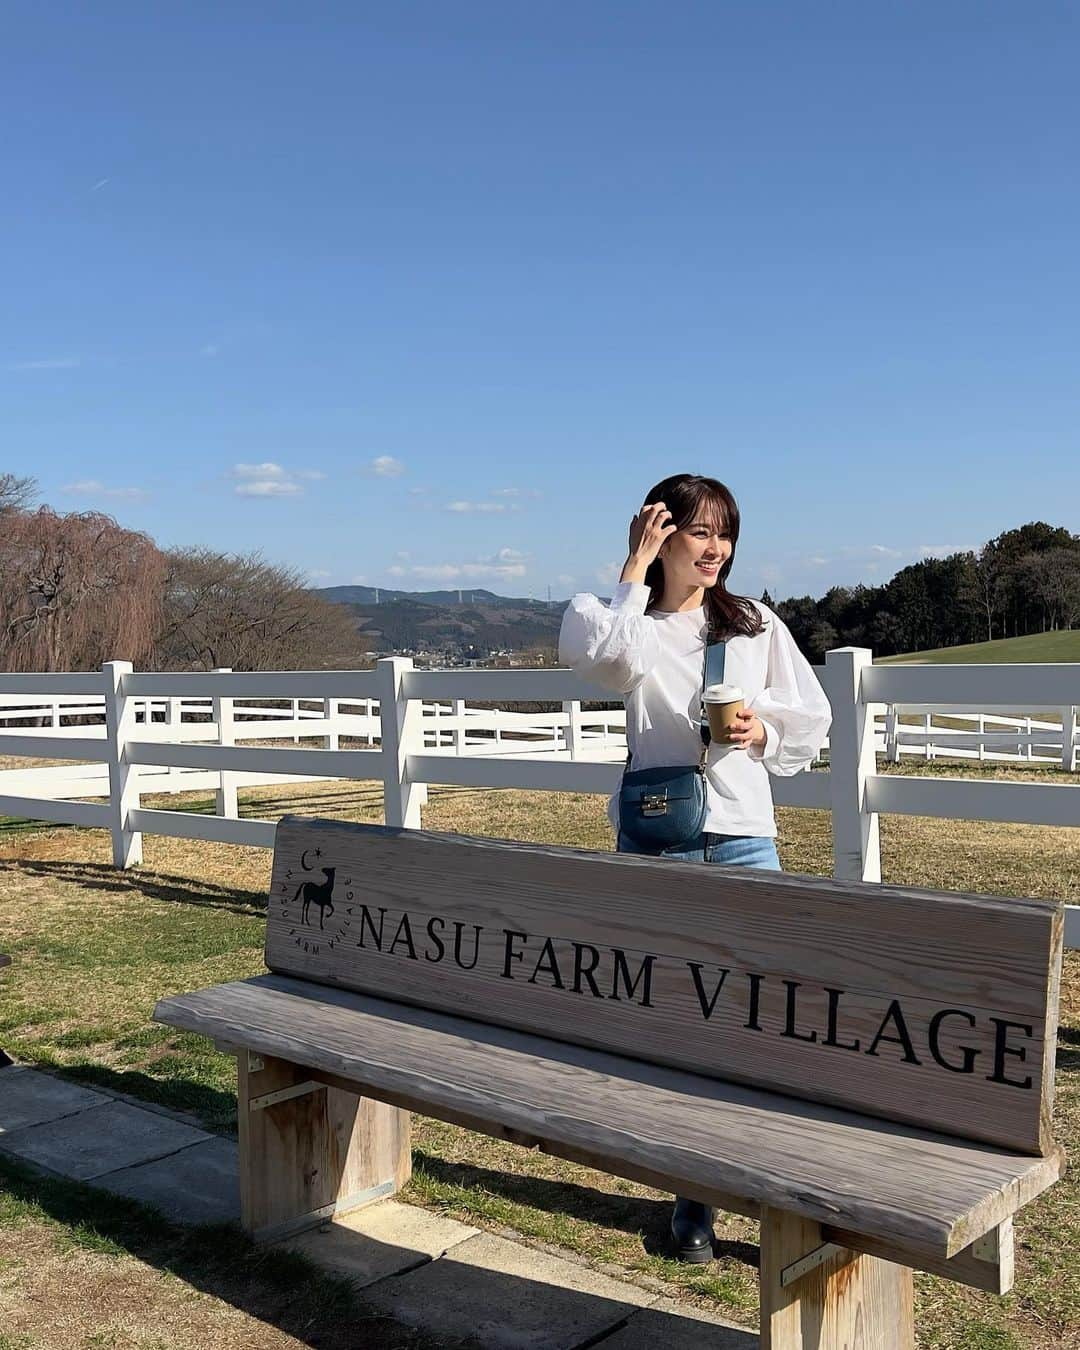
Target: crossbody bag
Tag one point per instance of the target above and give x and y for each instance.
(666, 806)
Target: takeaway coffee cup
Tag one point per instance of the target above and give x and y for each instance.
(722, 704)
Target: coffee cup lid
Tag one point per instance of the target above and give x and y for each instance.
(723, 693)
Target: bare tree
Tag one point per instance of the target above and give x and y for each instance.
(239, 610)
(75, 590)
(16, 494)
(1052, 579)
(990, 587)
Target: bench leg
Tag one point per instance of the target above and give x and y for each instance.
(835, 1300)
(308, 1151)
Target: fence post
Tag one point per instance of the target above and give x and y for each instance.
(856, 847)
(123, 777)
(222, 713)
(369, 704)
(572, 708)
(330, 712)
(402, 735)
(1068, 734)
(460, 734)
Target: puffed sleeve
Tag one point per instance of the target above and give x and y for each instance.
(613, 645)
(792, 706)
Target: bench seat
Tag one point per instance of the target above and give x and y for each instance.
(910, 1195)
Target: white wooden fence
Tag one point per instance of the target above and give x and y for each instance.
(424, 733)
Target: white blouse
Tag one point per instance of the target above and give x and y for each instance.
(654, 659)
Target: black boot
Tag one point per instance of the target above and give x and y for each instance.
(691, 1230)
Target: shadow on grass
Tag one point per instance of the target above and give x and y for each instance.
(279, 1288)
(155, 885)
(12, 826)
(1068, 1059)
(648, 1219)
(215, 1110)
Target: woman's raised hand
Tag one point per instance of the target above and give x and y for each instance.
(648, 530)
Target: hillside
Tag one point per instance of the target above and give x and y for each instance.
(1061, 646)
(411, 625)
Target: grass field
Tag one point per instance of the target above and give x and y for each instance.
(1037, 647)
(94, 949)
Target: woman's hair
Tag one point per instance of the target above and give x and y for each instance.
(686, 496)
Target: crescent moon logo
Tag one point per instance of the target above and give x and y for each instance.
(303, 861)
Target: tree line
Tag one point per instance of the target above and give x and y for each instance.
(78, 589)
(1024, 581)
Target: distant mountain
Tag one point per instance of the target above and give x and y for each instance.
(368, 595)
(436, 622)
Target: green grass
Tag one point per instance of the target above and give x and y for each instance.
(1036, 647)
(94, 949)
(280, 1287)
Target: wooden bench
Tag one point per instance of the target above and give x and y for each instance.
(867, 1069)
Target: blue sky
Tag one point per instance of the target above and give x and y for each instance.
(429, 294)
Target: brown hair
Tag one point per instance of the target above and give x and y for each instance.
(684, 494)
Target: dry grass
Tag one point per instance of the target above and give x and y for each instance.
(96, 948)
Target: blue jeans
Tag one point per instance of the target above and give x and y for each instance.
(730, 850)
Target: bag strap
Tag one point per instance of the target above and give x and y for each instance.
(712, 672)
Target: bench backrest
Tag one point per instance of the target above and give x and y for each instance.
(935, 1008)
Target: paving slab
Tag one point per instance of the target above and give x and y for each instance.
(29, 1097)
(200, 1184)
(508, 1297)
(381, 1240)
(101, 1139)
(669, 1325)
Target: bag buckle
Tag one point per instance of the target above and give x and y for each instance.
(654, 803)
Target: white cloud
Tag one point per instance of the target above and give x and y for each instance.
(608, 573)
(501, 566)
(944, 550)
(463, 508)
(861, 550)
(403, 553)
(268, 487)
(90, 487)
(267, 470)
(270, 480)
(318, 573)
(469, 571)
(516, 492)
(99, 185)
(60, 363)
(565, 580)
(386, 466)
(817, 561)
(419, 491)
(358, 581)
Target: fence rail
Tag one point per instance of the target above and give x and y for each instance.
(152, 733)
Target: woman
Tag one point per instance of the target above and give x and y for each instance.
(648, 645)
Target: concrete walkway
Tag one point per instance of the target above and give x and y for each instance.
(426, 1270)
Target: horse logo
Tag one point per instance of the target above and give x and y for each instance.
(321, 894)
